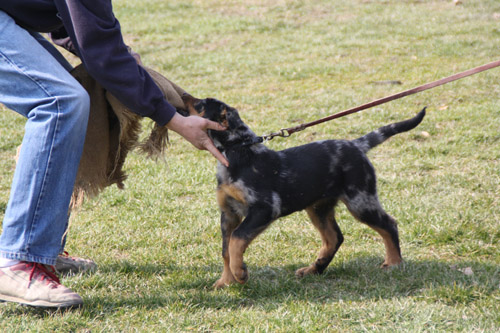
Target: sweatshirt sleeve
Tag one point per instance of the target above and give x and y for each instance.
(96, 37)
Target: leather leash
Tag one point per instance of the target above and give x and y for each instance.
(286, 132)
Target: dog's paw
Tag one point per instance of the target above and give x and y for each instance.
(300, 273)
(240, 274)
(225, 280)
(387, 265)
(222, 283)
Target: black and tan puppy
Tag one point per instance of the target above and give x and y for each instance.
(261, 185)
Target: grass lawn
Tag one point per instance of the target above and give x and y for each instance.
(283, 62)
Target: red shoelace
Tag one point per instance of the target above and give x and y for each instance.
(66, 255)
(44, 273)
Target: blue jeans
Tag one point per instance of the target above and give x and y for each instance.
(34, 82)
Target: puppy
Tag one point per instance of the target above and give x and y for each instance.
(260, 185)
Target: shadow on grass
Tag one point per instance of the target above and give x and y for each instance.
(357, 280)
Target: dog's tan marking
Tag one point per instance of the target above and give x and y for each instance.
(329, 239)
(227, 277)
(228, 223)
(237, 247)
(223, 117)
(392, 255)
(231, 191)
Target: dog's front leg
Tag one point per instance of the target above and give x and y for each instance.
(256, 221)
(237, 247)
(228, 223)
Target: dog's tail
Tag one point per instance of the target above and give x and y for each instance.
(367, 142)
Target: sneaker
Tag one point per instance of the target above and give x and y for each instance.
(35, 284)
(70, 265)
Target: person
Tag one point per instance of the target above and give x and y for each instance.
(35, 82)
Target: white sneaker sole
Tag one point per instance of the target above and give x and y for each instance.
(42, 303)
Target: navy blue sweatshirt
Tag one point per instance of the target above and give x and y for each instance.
(89, 29)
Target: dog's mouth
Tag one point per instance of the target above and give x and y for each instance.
(193, 105)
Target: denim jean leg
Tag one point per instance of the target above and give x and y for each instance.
(34, 84)
(52, 50)
(60, 58)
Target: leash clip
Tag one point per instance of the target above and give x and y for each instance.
(284, 133)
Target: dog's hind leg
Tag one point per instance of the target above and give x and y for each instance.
(366, 208)
(323, 218)
(229, 221)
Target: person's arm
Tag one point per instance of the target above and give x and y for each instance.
(96, 38)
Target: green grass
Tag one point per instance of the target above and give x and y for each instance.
(281, 63)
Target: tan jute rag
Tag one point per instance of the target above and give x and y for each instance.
(112, 132)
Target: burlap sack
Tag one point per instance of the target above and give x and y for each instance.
(113, 131)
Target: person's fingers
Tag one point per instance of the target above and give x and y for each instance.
(194, 130)
(216, 153)
(210, 145)
(215, 126)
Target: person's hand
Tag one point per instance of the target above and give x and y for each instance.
(194, 129)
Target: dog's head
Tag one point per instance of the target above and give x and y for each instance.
(220, 112)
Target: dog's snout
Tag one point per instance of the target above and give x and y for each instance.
(190, 103)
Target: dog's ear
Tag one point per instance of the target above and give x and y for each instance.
(190, 102)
